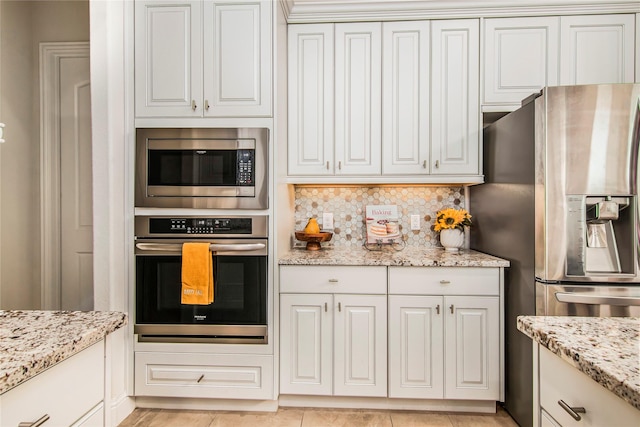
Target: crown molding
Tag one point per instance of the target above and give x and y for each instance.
(310, 11)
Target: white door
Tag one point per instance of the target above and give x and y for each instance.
(305, 344)
(358, 98)
(597, 49)
(472, 347)
(310, 80)
(416, 368)
(455, 117)
(520, 58)
(168, 58)
(237, 58)
(405, 98)
(360, 345)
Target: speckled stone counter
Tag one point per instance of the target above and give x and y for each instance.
(607, 349)
(409, 256)
(32, 341)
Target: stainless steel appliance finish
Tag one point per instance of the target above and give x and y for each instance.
(239, 247)
(222, 168)
(560, 202)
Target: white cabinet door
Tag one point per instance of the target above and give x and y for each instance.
(360, 345)
(405, 98)
(597, 49)
(455, 116)
(168, 58)
(310, 99)
(416, 363)
(357, 98)
(472, 346)
(306, 344)
(237, 58)
(520, 57)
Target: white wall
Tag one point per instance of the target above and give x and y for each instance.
(23, 25)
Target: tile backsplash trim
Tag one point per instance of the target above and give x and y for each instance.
(348, 207)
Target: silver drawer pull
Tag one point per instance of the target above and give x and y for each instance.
(333, 280)
(36, 423)
(573, 411)
(200, 379)
(445, 282)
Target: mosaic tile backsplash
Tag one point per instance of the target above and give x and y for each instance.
(348, 207)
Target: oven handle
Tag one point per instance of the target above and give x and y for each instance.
(214, 247)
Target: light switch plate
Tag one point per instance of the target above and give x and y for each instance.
(327, 221)
(415, 222)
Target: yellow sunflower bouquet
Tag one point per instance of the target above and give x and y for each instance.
(450, 218)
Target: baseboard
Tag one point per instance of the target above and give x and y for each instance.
(207, 404)
(383, 403)
(120, 409)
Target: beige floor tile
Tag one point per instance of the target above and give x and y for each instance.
(467, 420)
(174, 418)
(345, 418)
(139, 418)
(282, 418)
(420, 419)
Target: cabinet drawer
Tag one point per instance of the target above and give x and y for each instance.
(444, 281)
(232, 376)
(561, 381)
(333, 279)
(65, 392)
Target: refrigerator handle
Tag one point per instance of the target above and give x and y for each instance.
(596, 299)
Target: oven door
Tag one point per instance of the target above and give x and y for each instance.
(239, 311)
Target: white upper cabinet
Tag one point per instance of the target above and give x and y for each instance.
(405, 98)
(455, 97)
(520, 57)
(203, 58)
(310, 99)
(597, 49)
(357, 98)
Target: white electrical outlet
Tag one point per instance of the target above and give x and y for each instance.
(327, 221)
(415, 222)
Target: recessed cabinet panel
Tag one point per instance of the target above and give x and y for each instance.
(310, 99)
(405, 98)
(168, 63)
(358, 97)
(520, 57)
(455, 133)
(597, 49)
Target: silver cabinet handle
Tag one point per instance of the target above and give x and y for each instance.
(339, 307)
(438, 309)
(339, 165)
(437, 164)
(424, 164)
(327, 164)
(333, 280)
(444, 282)
(573, 411)
(36, 423)
(325, 307)
(193, 105)
(206, 104)
(451, 308)
(200, 379)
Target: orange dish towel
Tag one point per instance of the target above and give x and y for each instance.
(197, 274)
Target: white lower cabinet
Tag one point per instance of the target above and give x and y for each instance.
(333, 344)
(70, 393)
(440, 345)
(231, 376)
(560, 383)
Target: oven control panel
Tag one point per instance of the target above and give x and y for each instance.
(179, 226)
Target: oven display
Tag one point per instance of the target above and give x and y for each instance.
(200, 226)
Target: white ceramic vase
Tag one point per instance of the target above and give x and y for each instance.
(451, 239)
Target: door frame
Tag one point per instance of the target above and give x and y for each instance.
(51, 54)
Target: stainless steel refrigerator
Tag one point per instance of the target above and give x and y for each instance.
(560, 202)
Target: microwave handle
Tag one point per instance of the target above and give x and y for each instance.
(176, 247)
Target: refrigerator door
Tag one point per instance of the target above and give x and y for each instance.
(587, 300)
(586, 158)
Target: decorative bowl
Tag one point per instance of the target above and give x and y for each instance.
(313, 239)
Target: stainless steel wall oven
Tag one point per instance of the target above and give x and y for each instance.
(224, 168)
(239, 249)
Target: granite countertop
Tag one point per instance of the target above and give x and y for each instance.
(33, 341)
(409, 256)
(607, 349)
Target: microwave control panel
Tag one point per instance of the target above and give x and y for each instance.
(245, 175)
(181, 226)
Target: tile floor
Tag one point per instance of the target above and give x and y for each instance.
(313, 417)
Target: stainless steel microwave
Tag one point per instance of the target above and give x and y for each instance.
(215, 168)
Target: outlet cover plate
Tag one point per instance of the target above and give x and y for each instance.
(415, 222)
